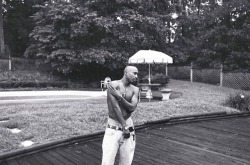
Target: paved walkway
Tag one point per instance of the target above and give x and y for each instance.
(195, 140)
(31, 96)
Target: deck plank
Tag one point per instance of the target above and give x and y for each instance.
(155, 156)
(51, 159)
(72, 152)
(223, 129)
(86, 157)
(32, 160)
(173, 150)
(59, 157)
(68, 156)
(3, 162)
(186, 138)
(12, 162)
(189, 153)
(23, 161)
(242, 126)
(92, 154)
(222, 142)
(41, 159)
(228, 140)
(214, 132)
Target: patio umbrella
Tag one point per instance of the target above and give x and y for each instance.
(150, 57)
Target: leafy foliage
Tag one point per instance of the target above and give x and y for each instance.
(73, 35)
(33, 84)
(18, 25)
(239, 101)
(215, 33)
(69, 35)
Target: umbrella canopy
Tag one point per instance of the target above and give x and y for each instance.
(150, 57)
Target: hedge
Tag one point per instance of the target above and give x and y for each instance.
(33, 84)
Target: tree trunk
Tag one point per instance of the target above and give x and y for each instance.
(184, 3)
(1, 31)
(169, 33)
(198, 5)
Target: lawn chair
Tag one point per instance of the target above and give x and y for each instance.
(143, 92)
(105, 82)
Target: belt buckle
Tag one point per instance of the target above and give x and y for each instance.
(116, 128)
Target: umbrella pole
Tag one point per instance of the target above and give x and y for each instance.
(149, 79)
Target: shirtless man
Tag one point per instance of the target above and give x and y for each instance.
(122, 99)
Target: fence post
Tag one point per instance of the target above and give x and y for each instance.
(221, 75)
(9, 63)
(191, 72)
(7, 52)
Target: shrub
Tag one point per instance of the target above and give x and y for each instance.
(239, 101)
(33, 84)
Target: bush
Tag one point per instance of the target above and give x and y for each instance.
(33, 84)
(239, 101)
(158, 78)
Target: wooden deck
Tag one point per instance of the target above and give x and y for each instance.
(221, 142)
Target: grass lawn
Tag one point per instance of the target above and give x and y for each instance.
(42, 123)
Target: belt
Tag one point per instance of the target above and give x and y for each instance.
(131, 129)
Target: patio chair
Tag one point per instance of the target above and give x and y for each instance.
(143, 92)
(105, 82)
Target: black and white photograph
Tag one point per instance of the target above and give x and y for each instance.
(125, 82)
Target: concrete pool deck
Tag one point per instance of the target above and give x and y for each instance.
(27, 96)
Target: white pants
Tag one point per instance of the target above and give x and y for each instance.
(114, 140)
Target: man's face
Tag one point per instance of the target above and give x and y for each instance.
(132, 74)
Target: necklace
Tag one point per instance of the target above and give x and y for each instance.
(125, 89)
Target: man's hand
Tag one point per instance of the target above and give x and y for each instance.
(126, 133)
(114, 92)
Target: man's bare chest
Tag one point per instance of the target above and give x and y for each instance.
(126, 92)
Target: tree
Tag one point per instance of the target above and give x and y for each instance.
(224, 35)
(18, 25)
(211, 32)
(186, 31)
(71, 36)
(1, 31)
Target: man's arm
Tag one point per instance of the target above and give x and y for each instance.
(116, 108)
(129, 106)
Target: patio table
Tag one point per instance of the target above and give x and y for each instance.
(147, 88)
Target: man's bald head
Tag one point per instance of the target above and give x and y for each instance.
(131, 74)
(130, 69)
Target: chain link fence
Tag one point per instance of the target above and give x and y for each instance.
(239, 80)
(215, 76)
(17, 64)
(208, 76)
(19, 69)
(179, 72)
